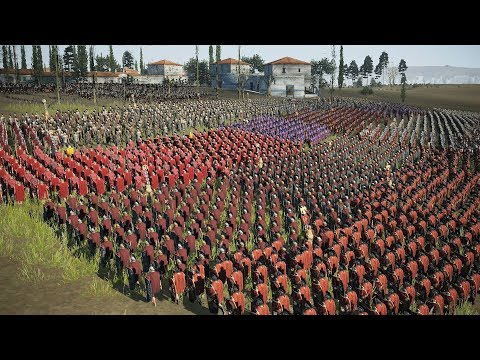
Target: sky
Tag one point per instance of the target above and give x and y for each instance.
(414, 55)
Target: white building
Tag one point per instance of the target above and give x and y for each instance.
(289, 77)
(159, 71)
(228, 71)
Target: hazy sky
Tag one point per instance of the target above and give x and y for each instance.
(414, 55)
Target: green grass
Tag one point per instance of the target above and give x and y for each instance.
(99, 288)
(466, 308)
(26, 238)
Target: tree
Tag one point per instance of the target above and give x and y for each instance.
(50, 57)
(319, 68)
(37, 63)
(103, 63)
(392, 73)
(15, 62)
(111, 59)
(210, 55)
(142, 68)
(136, 65)
(68, 58)
(5, 56)
(218, 50)
(367, 67)
(128, 60)
(53, 57)
(255, 62)
(333, 70)
(383, 62)
(191, 69)
(91, 58)
(353, 71)
(402, 67)
(378, 71)
(341, 69)
(82, 61)
(23, 56)
(10, 57)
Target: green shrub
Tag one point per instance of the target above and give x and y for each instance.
(366, 90)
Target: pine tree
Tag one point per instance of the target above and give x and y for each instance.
(40, 61)
(402, 67)
(24, 57)
(82, 60)
(34, 57)
(92, 60)
(37, 63)
(5, 56)
(142, 69)
(341, 69)
(10, 57)
(68, 58)
(50, 62)
(136, 65)
(15, 60)
(112, 62)
(75, 68)
(210, 56)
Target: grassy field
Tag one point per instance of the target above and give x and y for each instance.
(42, 275)
(459, 97)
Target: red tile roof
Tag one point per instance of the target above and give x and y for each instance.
(288, 61)
(164, 62)
(131, 72)
(231, 61)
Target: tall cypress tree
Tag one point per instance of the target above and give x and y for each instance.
(37, 62)
(75, 67)
(24, 57)
(218, 52)
(82, 61)
(10, 57)
(341, 69)
(402, 67)
(142, 67)
(68, 58)
(111, 58)
(92, 60)
(210, 56)
(34, 57)
(15, 61)
(40, 62)
(5, 56)
(50, 57)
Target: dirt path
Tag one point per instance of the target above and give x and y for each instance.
(49, 297)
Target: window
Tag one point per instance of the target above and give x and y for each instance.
(283, 71)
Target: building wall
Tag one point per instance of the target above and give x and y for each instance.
(149, 79)
(227, 75)
(155, 70)
(256, 83)
(298, 75)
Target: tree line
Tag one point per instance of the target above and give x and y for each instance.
(75, 59)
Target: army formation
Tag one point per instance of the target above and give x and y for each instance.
(378, 215)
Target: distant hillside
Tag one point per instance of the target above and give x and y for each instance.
(442, 75)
